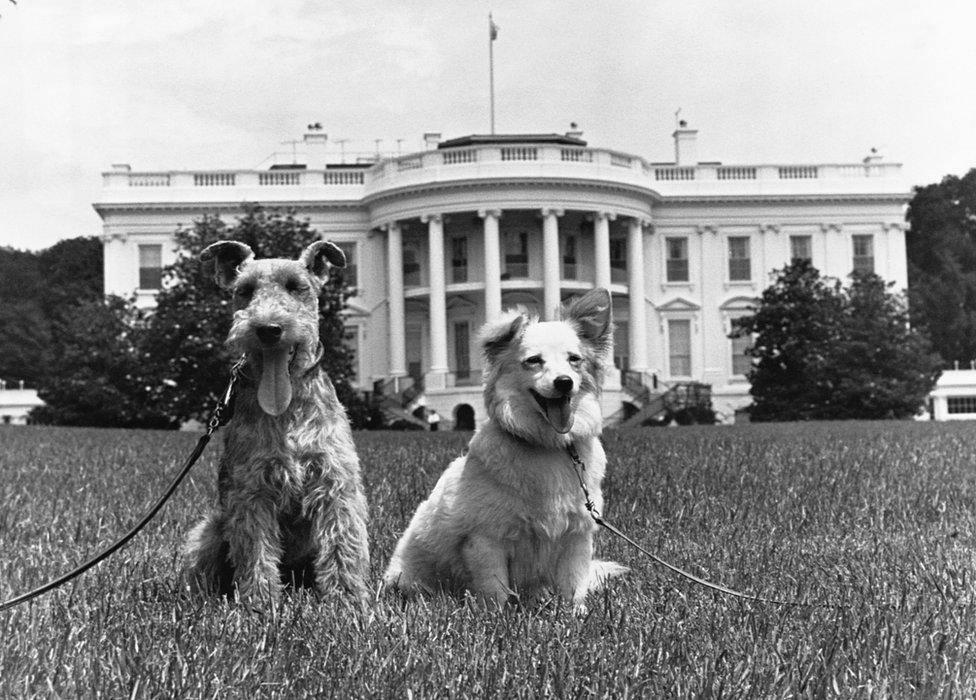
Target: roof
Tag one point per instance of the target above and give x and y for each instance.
(482, 139)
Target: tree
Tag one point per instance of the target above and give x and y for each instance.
(182, 345)
(823, 352)
(941, 251)
(94, 378)
(36, 291)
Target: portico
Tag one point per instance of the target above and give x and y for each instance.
(550, 254)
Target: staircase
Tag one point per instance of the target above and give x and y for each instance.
(657, 404)
(397, 398)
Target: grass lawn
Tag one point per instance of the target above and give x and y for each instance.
(879, 517)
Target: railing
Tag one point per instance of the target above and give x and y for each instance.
(466, 155)
(409, 164)
(798, 172)
(575, 155)
(735, 173)
(214, 179)
(670, 174)
(560, 161)
(633, 383)
(149, 180)
(520, 153)
(343, 177)
(279, 179)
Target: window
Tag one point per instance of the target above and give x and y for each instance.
(459, 259)
(618, 260)
(569, 258)
(462, 352)
(677, 259)
(740, 265)
(411, 266)
(863, 253)
(352, 343)
(621, 347)
(150, 266)
(679, 347)
(801, 248)
(516, 254)
(961, 404)
(741, 363)
(349, 273)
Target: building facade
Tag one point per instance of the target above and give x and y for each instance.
(443, 239)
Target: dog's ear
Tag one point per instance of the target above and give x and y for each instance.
(319, 255)
(592, 314)
(227, 257)
(497, 335)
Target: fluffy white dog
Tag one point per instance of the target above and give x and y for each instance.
(508, 518)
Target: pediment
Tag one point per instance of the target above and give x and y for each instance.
(679, 304)
(461, 304)
(354, 308)
(740, 303)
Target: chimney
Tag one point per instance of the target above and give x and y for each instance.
(873, 158)
(431, 139)
(121, 168)
(685, 146)
(574, 131)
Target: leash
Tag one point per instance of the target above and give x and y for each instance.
(216, 420)
(579, 467)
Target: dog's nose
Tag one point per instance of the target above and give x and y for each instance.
(563, 384)
(270, 334)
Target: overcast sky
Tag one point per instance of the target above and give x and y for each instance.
(185, 84)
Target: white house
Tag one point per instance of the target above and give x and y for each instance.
(444, 238)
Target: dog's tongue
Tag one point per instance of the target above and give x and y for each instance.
(559, 414)
(274, 392)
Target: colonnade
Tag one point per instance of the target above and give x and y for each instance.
(438, 367)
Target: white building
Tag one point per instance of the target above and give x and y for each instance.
(954, 396)
(16, 402)
(443, 239)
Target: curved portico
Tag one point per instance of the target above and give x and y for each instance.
(449, 272)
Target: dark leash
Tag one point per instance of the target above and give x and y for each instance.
(216, 420)
(579, 467)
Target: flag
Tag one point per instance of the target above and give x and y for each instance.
(492, 29)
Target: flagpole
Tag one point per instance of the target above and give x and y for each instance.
(491, 69)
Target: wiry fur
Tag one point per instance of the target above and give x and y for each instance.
(290, 506)
(508, 518)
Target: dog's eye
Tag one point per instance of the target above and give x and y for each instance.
(574, 359)
(295, 286)
(245, 291)
(533, 361)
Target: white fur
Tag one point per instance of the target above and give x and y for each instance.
(508, 518)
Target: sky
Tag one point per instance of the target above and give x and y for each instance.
(183, 84)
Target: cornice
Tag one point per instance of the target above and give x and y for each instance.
(411, 191)
(881, 198)
(300, 205)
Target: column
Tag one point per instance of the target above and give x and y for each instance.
(398, 318)
(493, 265)
(635, 287)
(438, 302)
(601, 242)
(550, 263)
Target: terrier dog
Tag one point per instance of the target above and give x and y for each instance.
(290, 507)
(509, 517)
